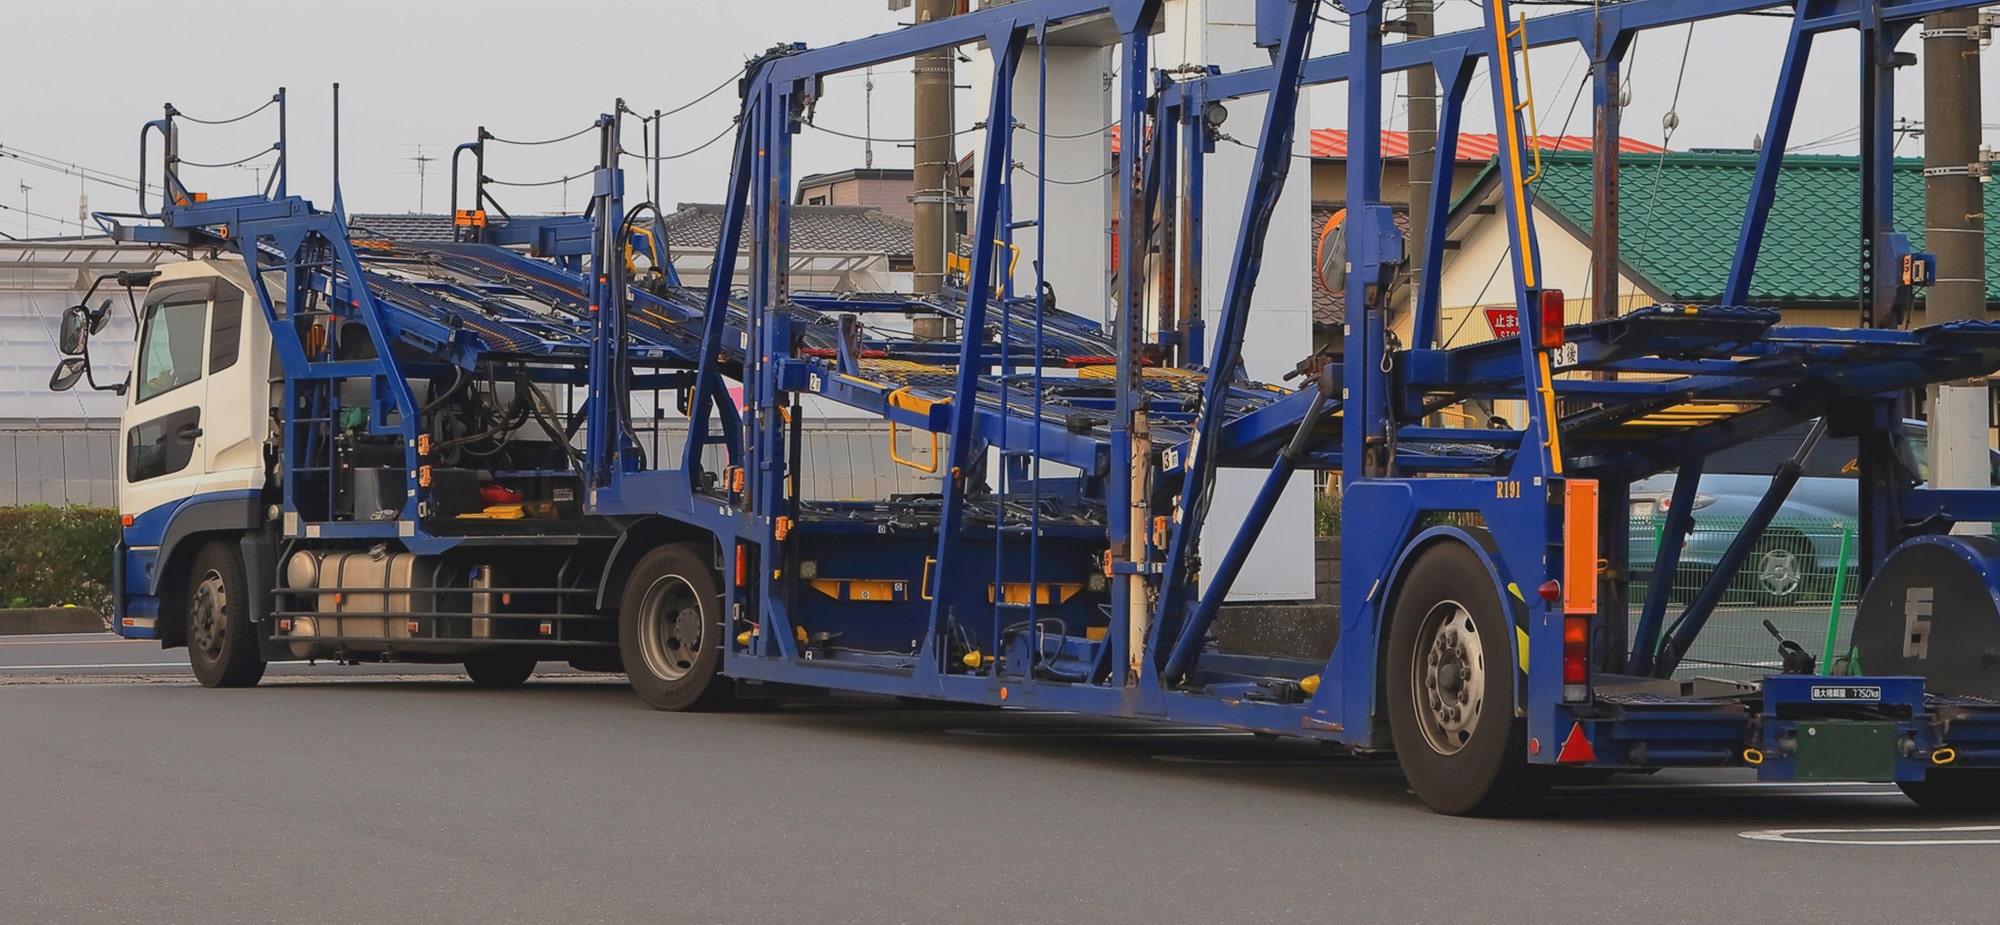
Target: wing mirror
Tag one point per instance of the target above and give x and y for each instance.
(76, 328)
(67, 373)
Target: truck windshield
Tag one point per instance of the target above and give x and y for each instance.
(170, 354)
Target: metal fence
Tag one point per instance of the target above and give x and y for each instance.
(1799, 575)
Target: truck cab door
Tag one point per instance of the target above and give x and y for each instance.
(163, 455)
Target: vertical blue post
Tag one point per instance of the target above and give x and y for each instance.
(1004, 42)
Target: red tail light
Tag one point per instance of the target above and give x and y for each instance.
(1576, 657)
(1552, 318)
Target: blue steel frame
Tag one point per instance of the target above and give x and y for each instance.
(1150, 659)
(1517, 492)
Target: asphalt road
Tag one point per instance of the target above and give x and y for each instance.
(392, 799)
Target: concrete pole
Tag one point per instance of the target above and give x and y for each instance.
(1955, 231)
(1423, 137)
(936, 161)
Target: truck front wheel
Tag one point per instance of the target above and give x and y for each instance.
(670, 633)
(222, 642)
(1450, 693)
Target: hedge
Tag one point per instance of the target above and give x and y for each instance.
(51, 556)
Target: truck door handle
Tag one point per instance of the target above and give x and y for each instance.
(188, 432)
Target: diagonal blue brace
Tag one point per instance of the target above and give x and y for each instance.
(1274, 159)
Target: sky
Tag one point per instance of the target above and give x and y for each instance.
(421, 76)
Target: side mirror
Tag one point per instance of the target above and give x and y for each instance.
(1331, 256)
(67, 373)
(101, 317)
(75, 329)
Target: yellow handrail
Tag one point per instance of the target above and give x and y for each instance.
(901, 398)
(1528, 75)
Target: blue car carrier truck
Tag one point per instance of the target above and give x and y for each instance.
(341, 448)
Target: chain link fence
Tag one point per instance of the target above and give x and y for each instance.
(1799, 575)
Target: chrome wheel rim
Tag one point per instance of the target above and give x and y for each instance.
(1778, 572)
(671, 630)
(1450, 665)
(208, 623)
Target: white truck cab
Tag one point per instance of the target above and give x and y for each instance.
(199, 400)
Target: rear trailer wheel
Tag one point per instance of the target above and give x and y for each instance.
(222, 642)
(1450, 692)
(1956, 791)
(670, 632)
(500, 669)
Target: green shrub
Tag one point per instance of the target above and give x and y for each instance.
(1326, 514)
(51, 556)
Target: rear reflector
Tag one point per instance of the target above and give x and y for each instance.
(1552, 318)
(1576, 749)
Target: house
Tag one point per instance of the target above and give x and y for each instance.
(1679, 217)
(888, 189)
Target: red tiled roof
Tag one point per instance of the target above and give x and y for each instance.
(1332, 142)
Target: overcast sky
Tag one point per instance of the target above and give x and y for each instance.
(81, 77)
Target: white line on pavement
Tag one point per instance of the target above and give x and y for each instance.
(98, 665)
(1923, 835)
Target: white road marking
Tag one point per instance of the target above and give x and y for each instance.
(97, 665)
(97, 641)
(1936, 835)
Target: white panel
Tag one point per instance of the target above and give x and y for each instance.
(1279, 333)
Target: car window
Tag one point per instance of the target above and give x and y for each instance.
(1833, 458)
(170, 354)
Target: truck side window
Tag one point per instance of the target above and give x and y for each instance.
(170, 352)
(225, 331)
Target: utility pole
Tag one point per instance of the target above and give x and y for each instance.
(1955, 232)
(936, 161)
(26, 230)
(1417, 14)
(1609, 107)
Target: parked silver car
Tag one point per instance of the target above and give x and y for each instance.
(1800, 552)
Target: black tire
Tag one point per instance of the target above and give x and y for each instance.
(500, 669)
(1469, 758)
(223, 648)
(1956, 791)
(670, 631)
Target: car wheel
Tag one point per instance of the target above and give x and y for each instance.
(1779, 573)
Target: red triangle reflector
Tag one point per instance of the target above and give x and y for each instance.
(1576, 749)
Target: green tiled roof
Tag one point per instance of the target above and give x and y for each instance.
(1680, 214)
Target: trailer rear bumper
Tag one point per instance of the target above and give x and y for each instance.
(1802, 727)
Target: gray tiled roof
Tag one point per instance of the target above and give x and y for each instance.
(823, 229)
